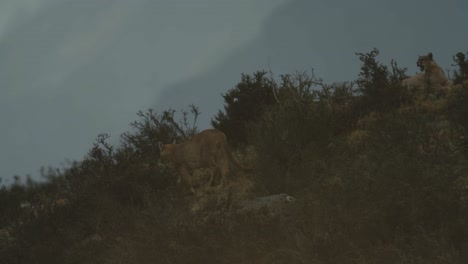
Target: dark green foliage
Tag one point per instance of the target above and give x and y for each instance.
(460, 74)
(379, 176)
(458, 100)
(458, 113)
(380, 162)
(303, 119)
(154, 128)
(380, 88)
(373, 76)
(243, 104)
(102, 193)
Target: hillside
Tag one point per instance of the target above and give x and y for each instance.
(376, 173)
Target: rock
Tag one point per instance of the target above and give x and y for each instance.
(273, 204)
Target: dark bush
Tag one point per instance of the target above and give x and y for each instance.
(244, 104)
(379, 176)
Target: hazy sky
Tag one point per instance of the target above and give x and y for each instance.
(324, 35)
(70, 69)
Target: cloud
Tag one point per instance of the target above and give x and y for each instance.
(72, 69)
(12, 11)
(324, 35)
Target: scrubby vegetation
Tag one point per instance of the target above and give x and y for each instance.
(379, 173)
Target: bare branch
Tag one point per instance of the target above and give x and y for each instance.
(273, 84)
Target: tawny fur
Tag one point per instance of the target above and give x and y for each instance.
(433, 75)
(206, 150)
